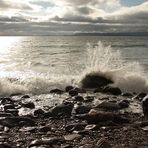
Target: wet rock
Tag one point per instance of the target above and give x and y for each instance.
(109, 106)
(72, 137)
(99, 117)
(5, 145)
(89, 99)
(16, 121)
(140, 96)
(98, 90)
(62, 109)
(124, 104)
(73, 92)
(79, 90)
(145, 105)
(2, 114)
(9, 106)
(127, 94)
(12, 111)
(78, 98)
(103, 143)
(82, 109)
(39, 112)
(28, 129)
(28, 105)
(76, 126)
(6, 100)
(112, 90)
(94, 80)
(57, 91)
(48, 142)
(92, 127)
(44, 129)
(68, 88)
(25, 96)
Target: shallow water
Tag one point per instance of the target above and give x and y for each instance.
(37, 64)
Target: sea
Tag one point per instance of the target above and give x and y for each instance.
(36, 64)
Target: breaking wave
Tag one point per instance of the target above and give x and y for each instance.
(103, 60)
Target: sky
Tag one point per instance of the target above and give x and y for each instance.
(58, 17)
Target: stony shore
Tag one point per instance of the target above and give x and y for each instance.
(84, 119)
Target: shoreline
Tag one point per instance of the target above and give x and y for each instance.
(81, 120)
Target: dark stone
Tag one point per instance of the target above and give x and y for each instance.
(103, 143)
(124, 104)
(145, 105)
(82, 109)
(57, 91)
(95, 80)
(28, 105)
(127, 94)
(16, 121)
(109, 106)
(6, 100)
(79, 90)
(5, 145)
(76, 126)
(12, 111)
(68, 88)
(99, 117)
(78, 98)
(62, 109)
(98, 90)
(89, 99)
(141, 96)
(25, 96)
(44, 129)
(2, 114)
(9, 106)
(112, 90)
(39, 112)
(49, 142)
(73, 92)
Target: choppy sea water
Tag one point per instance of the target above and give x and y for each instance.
(37, 64)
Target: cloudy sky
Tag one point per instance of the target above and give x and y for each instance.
(47, 17)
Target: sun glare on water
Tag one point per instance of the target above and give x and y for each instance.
(6, 44)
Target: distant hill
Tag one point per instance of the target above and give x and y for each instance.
(113, 34)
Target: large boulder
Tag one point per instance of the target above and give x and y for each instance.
(95, 80)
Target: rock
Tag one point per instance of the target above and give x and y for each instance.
(28, 105)
(112, 90)
(94, 80)
(72, 137)
(82, 109)
(76, 126)
(103, 143)
(25, 96)
(44, 129)
(68, 88)
(98, 90)
(5, 145)
(99, 117)
(16, 121)
(28, 129)
(2, 114)
(62, 109)
(12, 111)
(48, 142)
(124, 104)
(39, 112)
(57, 91)
(145, 105)
(73, 92)
(140, 96)
(92, 127)
(6, 100)
(78, 98)
(79, 90)
(9, 106)
(109, 106)
(127, 94)
(89, 99)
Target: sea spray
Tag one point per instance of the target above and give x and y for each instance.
(107, 62)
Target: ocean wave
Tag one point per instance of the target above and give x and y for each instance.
(103, 60)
